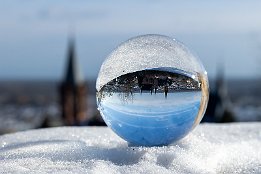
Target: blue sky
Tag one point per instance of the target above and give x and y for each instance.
(34, 33)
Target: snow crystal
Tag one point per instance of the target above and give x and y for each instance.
(210, 148)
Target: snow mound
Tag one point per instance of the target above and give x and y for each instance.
(210, 148)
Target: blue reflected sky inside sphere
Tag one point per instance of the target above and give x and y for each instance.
(151, 119)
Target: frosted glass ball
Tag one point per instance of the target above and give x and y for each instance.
(152, 91)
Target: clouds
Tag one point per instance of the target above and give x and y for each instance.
(211, 28)
(127, 16)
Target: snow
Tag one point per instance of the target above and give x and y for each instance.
(210, 148)
(147, 52)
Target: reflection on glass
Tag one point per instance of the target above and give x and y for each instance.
(153, 106)
(151, 90)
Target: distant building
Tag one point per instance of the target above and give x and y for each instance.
(73, 91)
(220, 109)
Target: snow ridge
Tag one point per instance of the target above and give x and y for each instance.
(210, 148)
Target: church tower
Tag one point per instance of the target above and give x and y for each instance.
(73, 91)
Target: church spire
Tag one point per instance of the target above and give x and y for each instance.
(73, 74)
(73, 91)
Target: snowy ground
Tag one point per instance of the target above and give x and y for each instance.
(210, 148)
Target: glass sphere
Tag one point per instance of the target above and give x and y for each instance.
(152, 91)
